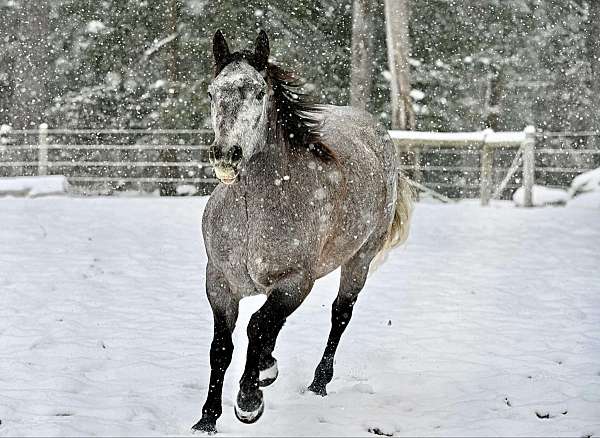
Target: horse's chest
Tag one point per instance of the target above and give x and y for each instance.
(226, 236)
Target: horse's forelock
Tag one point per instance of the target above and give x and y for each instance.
(244, 55)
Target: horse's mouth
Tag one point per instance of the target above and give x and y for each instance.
(227, 175)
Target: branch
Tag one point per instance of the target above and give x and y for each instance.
(157, 46)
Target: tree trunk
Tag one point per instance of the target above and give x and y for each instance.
(168, 121)
(361, 75)
(398, 48)
(593, 47)
(494, 98)
(31, 65)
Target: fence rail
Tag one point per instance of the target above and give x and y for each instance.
(486, 164)
(486, 141)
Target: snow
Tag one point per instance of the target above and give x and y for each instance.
(417, 94)
(34, 186)
(585, 182)
(586, 200)
(487, 136)
(95, 26)
(488, 319)
(186, 189)
(541, 196)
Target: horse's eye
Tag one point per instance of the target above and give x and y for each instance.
(260, 94)
(209, 96)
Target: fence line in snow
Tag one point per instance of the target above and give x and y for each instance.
(98, 157)
(414, 141)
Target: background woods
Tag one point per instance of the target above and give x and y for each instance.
(425, 65)
(146, 63)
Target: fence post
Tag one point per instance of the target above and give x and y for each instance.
(43, 149)
(487, 168)
(529, 165)
(418, 173)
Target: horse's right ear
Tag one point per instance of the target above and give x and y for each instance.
(220, 49)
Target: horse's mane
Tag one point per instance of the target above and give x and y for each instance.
(295, 115)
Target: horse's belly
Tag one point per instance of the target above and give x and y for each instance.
(340, 249)
(362, 219)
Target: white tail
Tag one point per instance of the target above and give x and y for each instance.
(398, 230)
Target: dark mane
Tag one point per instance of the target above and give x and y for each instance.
(293, 112)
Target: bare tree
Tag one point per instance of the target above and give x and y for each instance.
(361, 76)
(398, 48)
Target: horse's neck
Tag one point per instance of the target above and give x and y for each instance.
(269, 164)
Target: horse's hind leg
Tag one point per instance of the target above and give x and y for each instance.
(225, 311)
(353, 277)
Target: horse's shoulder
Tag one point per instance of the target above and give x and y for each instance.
(219, 204)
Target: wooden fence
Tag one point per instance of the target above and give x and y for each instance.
(484, 164)
(415, 142)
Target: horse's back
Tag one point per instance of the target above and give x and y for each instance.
(346, 130)
(369, 162)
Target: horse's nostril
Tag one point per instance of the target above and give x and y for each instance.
(236, 154)
(215, 153)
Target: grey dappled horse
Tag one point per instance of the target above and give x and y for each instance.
(305, 189)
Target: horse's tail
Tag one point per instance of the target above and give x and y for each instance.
(398, 230)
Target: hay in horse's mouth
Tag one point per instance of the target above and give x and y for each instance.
(227, 175)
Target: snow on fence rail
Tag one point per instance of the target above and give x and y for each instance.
(114, 159)
(488, 140)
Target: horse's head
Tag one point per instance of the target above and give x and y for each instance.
(239, 97)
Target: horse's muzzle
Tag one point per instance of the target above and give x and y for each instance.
(225, 162)
(226, 174)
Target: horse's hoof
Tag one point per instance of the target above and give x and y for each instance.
(318, 389)
(268, 376)
(249, 412)
(205, 426)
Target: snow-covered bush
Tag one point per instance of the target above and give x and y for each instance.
(541, 196)
(585, 182)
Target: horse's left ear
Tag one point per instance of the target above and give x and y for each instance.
(220, 49)
(261, 50)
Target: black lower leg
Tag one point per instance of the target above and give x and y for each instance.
(266, 359)
(225, 311)
(262, 333)
(341, 313)
(221, 352)
(263, 329)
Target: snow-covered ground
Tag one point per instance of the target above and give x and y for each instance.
(486, 323)
(34, 186)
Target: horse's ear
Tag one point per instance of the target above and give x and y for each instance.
(261, 51)
(220, 48)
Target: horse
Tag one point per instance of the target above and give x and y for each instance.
(304, 189)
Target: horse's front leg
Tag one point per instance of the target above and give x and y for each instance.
(264, 327)
(225, 312)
